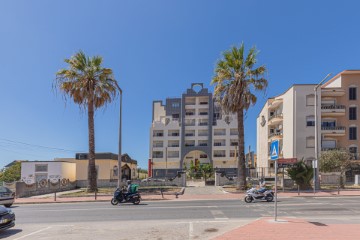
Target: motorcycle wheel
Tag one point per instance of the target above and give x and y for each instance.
(114, 201)
(248, 199)
(136, 201)
(269, 198)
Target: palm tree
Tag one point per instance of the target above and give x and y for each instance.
(91, 86)
(235, 79)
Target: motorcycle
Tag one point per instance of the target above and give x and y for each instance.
(119, 197)
(261, 194)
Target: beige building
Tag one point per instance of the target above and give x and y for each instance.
(290, 118)
(106, 167)
(340, 105)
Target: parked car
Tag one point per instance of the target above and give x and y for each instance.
(7, 197)
(7, 218)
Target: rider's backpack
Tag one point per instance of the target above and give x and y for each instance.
(134, 188)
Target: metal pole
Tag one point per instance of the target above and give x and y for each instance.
(276, 168)
(166, 156)
(119, 152)
(316, 175)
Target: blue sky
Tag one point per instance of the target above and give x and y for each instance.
(157, 49)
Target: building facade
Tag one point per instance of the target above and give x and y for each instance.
(290, 118)
(192, 128)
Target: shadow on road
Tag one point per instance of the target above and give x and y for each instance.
(9, 232)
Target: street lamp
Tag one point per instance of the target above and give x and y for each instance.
(315, 164)
(119, 149)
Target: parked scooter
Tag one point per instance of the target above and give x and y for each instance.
(261, 194)
(120, 197)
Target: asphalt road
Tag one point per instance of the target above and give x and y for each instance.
(162, 220)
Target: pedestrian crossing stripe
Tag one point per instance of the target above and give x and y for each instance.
(274, 153)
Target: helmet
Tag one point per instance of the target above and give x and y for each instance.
(128, 182)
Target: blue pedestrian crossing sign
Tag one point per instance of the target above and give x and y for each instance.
(274, 150)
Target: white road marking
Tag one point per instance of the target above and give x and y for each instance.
(41, 230)
(218, 215)
(30, 234)
(191, 230)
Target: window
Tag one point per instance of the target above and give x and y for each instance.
(41, 168)
(353, 149)
(175, 104)
(352, 133)
(175, 116)
(310, 142)
(310, 121)
(352, 93)
(352, 113)
(310, 100)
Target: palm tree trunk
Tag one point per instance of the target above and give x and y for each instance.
(241, 147)
(91, 169)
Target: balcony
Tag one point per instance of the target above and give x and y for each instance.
(203, 123)
(275, 135)
(332, 92)
(275, 119)
(276, 103)
(332, 110)
(333, 131)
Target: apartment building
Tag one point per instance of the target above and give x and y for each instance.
(192, 128)
(290, 118)
(340, 105)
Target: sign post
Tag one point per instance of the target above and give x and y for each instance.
(274, 155)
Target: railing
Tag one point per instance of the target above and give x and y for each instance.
(203, 144)
(189, 134)
(332, 107)
(204, 103)
(234, 144)
(173, 134)
(158, 145)
(203, 113)
(219, 144)
(333, 149)
(175, 145)
(203, 134)
(219, 155)
(332, 128)
(189, 113)
(279, 115)
(158, 135)
(189, 145)
(275, 134)
(203, 123)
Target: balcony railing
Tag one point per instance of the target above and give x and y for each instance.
(278, 115)
(234, 144)
(158, 135)
(332, 128)
(219, 155)
(203, 123)
(203, 144)
(219, 144)
(275, 134)
(189, 134)
(332, 107)
(189, 145)
(203, 113)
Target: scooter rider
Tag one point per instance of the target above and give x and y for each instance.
(129, 189)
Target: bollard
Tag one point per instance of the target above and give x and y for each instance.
(95, 195)
(55, 196)
(162, 194)
(298, 190)
(338, 189)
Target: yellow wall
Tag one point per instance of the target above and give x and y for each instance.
(105, 167)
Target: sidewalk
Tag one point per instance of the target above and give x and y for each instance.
(190, 194)
(292, 228)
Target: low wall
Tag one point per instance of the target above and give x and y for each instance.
(43, 187)
(330, 178)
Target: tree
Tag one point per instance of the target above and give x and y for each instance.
(91, 86)
(302, 174)
(207, 170)
(236, 77)
(335, 161)
(12, 173)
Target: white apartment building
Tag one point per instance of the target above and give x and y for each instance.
(290, 117)
(192, 128)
